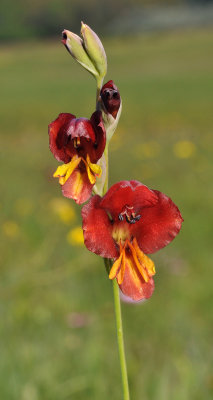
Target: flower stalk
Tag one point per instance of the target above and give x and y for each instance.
(121, 349)
(99, 81)
(106, 154)
(117, 307)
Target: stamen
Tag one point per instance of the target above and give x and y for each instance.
(129, 214)
(130, 220)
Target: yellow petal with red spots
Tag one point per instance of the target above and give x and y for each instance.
(133, 284)
(77, 184)
(64, 171)
(96, 169)
(118, 267)
(90, 174)
(144, 260)
(138, 264)
(115, 268)
(132, 271)
(120, 275)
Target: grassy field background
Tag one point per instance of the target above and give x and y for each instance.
(57, 331)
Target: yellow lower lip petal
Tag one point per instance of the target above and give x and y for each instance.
(93, 170)
(144, 259)
(64, 171)
(91, 176)
(96, 169)
(116, 266)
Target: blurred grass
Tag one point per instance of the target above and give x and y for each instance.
(57, 323)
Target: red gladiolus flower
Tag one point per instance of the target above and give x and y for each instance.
(79, 143)
(129, 222)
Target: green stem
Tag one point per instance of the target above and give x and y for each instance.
(99, 86)
(120, 340)
(105, 188)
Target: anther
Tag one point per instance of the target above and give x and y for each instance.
(132, 219)
(120, 217)
(129, 214)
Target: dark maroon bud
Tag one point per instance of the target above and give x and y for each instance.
(111, 98)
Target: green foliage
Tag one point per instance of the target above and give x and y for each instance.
(57, 322)
(46, 18)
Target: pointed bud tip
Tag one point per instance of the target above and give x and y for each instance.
(109, 85)
(64, 36)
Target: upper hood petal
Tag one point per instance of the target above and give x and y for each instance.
(58, 137)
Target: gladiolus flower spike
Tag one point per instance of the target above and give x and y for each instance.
(125, 225)
(79, 143)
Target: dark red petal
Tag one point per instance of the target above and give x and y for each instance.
(130, 193)
(78, 187)
(81, 127)
(98, 229)
(136, 289)
(92, 137)
(58, 136)
(98, 125)
(109, 85)
(158, 225)
(111, 98)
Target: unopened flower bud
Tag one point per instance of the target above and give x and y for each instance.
(74, 44)
(111, 98)
(110, 105)
(94, 49)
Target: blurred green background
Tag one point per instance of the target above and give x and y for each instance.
(57, 331)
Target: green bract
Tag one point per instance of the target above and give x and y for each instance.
(74, 45)
(94, 49)
(88, 51)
